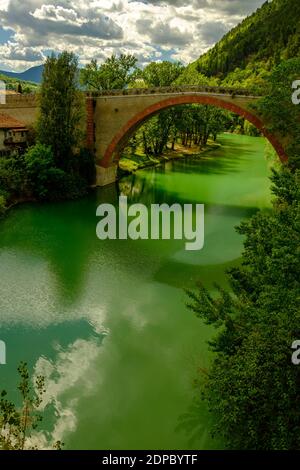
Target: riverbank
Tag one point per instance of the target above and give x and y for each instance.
(4, 208)
(130, 164)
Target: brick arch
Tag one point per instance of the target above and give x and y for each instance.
(121, 138)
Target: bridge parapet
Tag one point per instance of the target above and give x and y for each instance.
(231, 91)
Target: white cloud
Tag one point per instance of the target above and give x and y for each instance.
(71, 370)
(4, 4)
(150, 29)
(13, 51)
(55, 13)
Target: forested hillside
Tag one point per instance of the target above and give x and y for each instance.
(248, 52)
(16, 84)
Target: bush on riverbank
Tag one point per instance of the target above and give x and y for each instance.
(46, 182)
(35, 176)
(12, 178)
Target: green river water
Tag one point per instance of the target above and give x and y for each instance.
(105, 321)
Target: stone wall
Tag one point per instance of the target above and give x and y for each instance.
(24, 108)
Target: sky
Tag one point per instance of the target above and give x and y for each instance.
(152, 30)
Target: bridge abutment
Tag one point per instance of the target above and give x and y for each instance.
(105, 176)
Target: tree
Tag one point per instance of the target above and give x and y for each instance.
(114, 73)
(42, 175)
(12, 177)
(197, 123)
(60, 108)
(17, 424)
(252, 387)
(2, 205)
(192, 124)
(268, 35)
(161, 74)
(278, 110)
(190, 76)
(46, 182)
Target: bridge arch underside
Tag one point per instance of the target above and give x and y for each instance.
(120, 140)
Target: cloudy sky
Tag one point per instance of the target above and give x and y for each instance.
(150, 29)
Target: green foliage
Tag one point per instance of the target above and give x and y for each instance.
(46, 182)
(12, 180)
(271, 156)
(154, 134)
(252, 387)
(55, 168)
(278, 110)
(246, 55)
(14, 84)
(190, 76)
(251, 130)
(114, 73)
(253, 77)
(189, 124)
(2, 205)
(60, 108)
(17, 424)
(43, 177)
(161, 74)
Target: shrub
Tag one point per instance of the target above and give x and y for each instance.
(46, 181)
(12, 179)
(40, 171)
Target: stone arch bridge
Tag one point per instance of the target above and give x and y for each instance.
(113, 116)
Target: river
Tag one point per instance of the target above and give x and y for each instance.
(105, 321)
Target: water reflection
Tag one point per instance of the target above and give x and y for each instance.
(105, 321)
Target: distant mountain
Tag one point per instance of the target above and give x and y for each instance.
(34, 74)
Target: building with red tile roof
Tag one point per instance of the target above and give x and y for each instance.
(13, 133)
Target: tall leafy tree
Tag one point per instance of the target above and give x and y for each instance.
(115, 73)
(278, 110)
(160, 74)
(252, 387)
(60, 108)
(190, 124)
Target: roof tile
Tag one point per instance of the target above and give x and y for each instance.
(8, 122)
